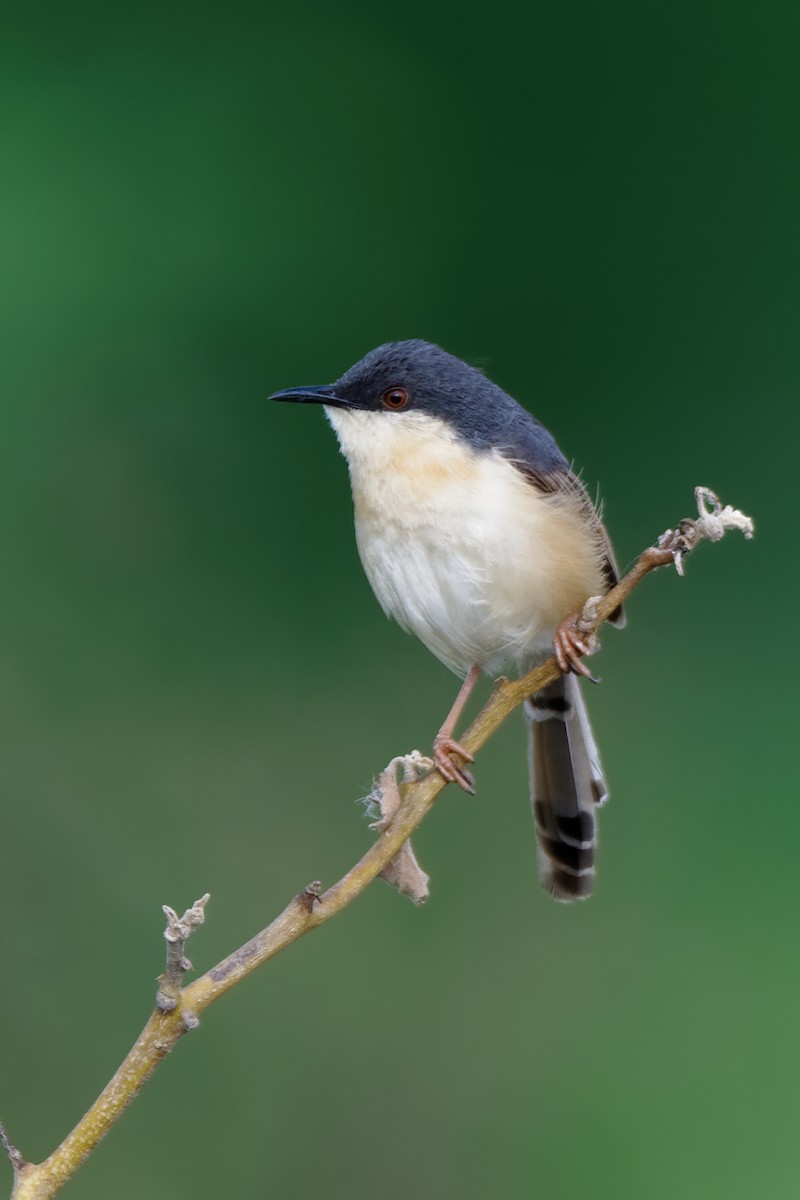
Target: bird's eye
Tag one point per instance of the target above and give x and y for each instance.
(395, 398)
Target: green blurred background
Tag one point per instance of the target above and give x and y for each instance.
(199, 204)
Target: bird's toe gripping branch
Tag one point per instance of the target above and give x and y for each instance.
(446, 752)
(574, 638)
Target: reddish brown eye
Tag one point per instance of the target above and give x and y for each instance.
(395, 398)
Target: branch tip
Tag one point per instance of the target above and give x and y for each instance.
(179, 928)
(15, 1156)
(176, 935)
(713, 520)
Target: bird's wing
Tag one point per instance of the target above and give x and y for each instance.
(535, 454)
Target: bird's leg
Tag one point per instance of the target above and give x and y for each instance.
(569, 643)
(445, 746)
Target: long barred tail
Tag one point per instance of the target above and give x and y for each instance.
(567, 784)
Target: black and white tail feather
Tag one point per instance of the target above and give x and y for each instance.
(567, 784)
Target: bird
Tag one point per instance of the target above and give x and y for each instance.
(478, 537)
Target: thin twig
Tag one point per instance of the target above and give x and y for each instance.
(14, 1156)
(178, 1009)
(176, 936)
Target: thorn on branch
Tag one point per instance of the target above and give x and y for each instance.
(403, 872)
(176, 935)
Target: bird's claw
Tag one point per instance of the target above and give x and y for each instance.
(444, 750)
(569, 644)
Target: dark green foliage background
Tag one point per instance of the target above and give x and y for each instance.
(597, 202)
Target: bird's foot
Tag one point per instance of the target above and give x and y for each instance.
(446, 750)
(569, 643)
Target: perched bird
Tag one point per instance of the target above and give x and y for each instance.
(477, 536)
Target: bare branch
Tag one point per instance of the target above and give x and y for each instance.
(178, 1008)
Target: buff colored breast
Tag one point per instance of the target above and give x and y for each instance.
(460, 548)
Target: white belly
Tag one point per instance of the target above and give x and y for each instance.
(459, 548)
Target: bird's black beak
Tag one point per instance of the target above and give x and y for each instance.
(312, 395)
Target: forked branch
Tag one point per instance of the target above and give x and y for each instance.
(178, 1008)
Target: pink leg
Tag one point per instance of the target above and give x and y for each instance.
(444, 745)
(569, 644)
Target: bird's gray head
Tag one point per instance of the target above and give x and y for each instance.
(417, 379)
(416, 376)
